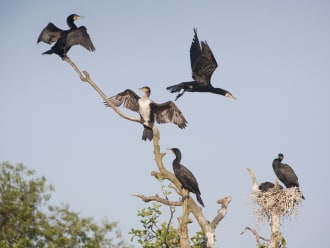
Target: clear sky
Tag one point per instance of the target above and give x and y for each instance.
(272, 55)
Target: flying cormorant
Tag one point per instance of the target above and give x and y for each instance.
(149, 111)
(65, 39)
(185, 176)
(203, 65)
(285, 173)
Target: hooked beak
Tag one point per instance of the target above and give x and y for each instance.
(229, 95)
(170, 149)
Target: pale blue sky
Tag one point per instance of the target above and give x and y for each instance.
(272, 55)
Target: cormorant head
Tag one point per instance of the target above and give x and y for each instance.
(70, 20)
(73, 17)
(146, 90)
(176, 151)
(280, 156)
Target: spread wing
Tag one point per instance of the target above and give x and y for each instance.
(50, 34)
(195, 49)
(128, 97)
(202, 61)
(168, 112)
(79, 36)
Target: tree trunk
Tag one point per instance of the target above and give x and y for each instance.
(275, 239)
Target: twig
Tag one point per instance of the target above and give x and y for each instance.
(256, 234)
(158, 199)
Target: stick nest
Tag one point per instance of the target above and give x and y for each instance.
(282, 202)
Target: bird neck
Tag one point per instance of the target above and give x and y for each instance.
(218, 91)
(276, 162)
(177, 160)
(71, 24)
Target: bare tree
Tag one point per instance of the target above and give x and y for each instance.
(188, 204)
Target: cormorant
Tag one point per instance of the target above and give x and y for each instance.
(65, 39)
(149, 111)
(185, 176)
(285, 173)
(203, 65)
(265, 186)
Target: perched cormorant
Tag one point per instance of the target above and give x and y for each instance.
(149, 111)
(203, 65)
(285, 173)
(65, 39)
(265, 186)
(185, 176)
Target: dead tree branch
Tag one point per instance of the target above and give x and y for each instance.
(256, 234)
(85, 77)
(159, 199)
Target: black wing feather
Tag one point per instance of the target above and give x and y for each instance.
(204, 65)
(195, 50)
(79, 36)
(288, 176)
(50, 34)
(128, 97)
(168, 112)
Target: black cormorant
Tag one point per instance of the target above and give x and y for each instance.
(203, 65)
(65, 39)
(185, 176)
(285, 173)
(149, 111)
(265, 186)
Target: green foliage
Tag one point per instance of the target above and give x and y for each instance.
(155, 235)
(24, 224)
(199, 240)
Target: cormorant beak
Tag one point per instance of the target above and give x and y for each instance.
(143, 89)
(169, 149)
(230, 95)
(78, 17)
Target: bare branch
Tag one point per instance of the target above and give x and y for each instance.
(86, 78)
(221, 212)
(256, 234)
(158, 199)
(255, 185)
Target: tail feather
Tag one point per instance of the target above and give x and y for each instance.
(48, 52)
(147, 133)
(199, 199)
(174, 88)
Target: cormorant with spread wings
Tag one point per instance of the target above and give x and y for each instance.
(65, 39)
(149, 111)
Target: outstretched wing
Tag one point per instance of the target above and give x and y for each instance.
(168, 112)
(50, 34)
(79, 36)
(128, 97)
(195, 49)
(202, 61)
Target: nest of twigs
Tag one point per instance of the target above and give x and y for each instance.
(282, 202)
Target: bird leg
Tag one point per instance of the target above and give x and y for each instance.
(179, 95)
